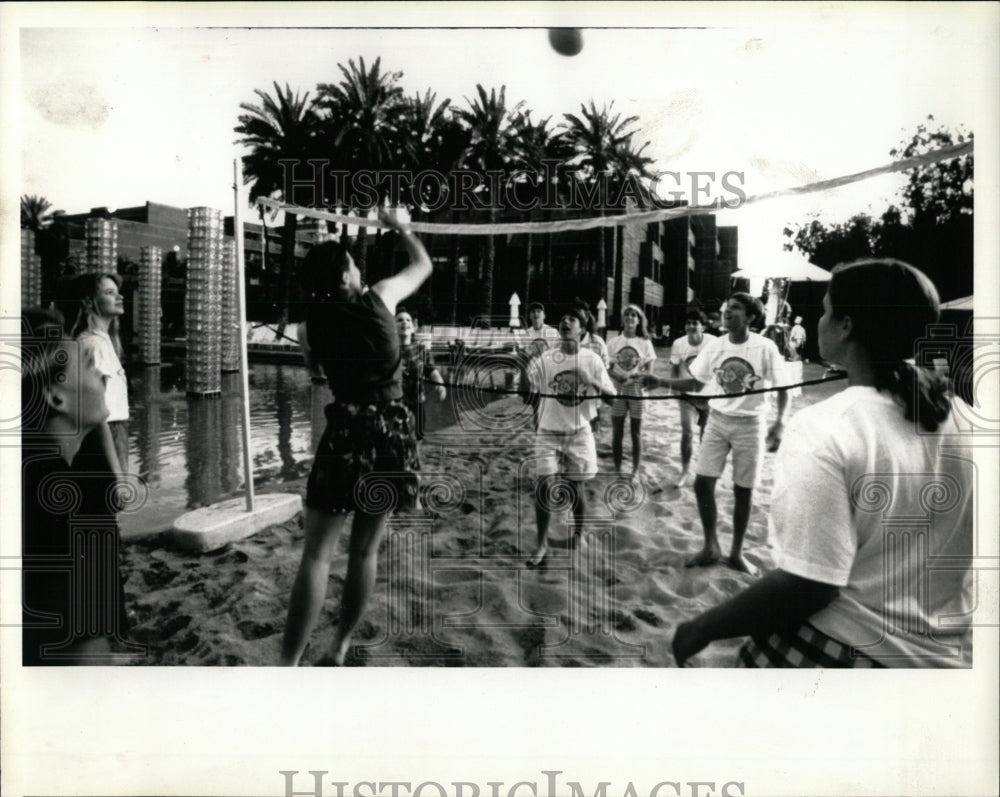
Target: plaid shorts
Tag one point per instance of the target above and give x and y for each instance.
(626, 401)
(806, 647)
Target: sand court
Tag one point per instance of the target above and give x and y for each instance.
(453, 589)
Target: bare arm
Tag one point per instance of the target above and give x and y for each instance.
(398, 287)
(685, 384)
(778, 601)
(438, 380)
(108, 446)
(778, 427)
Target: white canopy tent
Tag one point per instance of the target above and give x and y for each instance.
(781, 268)
(792, 266)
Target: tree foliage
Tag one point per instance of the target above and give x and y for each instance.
(282, 127)
(931, 227)
(363, 121)
(35, 212)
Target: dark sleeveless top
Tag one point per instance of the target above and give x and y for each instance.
(354, 341)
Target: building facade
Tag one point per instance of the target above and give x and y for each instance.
(661, 266)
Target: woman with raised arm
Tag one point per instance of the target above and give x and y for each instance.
(871, 511)
(367, 459)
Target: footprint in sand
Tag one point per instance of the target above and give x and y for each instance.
(173, 625)
(159, 575)
(648, 617)
(188, 643)
(622, 621)
(697, 583)
(659, 510)
(531, 640)
(233, 557)
(251, 629)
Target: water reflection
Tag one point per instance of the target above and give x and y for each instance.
(190, 450)
(203, 448)
(284, 407)
(232, 445)
(148, 437)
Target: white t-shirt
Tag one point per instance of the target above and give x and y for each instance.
(869, 502)
(554, 373)
(107, 362)
(797, 336)
(628, 354)
(727, 367)
(536, 341)
(597, 345)
(682, 353)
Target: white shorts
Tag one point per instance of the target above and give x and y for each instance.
(744, 435)
(573, 454)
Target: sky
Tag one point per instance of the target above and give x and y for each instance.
(120, 112)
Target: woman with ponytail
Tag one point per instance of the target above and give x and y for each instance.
(852, 587)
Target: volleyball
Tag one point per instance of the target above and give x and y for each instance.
(566, 41)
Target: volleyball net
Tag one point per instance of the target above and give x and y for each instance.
(481, 376)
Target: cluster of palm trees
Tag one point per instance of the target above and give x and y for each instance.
(366, 122)
(36, 212)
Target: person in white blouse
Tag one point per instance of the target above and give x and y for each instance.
(873, 501)
(99, 305)
(631, 355)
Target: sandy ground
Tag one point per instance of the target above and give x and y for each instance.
(452, 588)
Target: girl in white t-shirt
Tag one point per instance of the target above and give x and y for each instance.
(871, 511)
(631, 355)
(99, 305)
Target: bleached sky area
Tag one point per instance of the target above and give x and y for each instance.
(117, 108)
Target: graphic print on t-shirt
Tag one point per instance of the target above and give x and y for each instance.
(538, 346)
(736, 375)
(564, 386)
(627, 358)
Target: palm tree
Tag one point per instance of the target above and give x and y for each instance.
(282, 127)
(434, 140)
(365, 112)
(602, 142)
(537, 146)
(491, 148)
(35, 213)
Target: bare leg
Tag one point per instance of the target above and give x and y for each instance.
(704, 490)
(579, 511)
(742, 505)
(635, 426)
(309, 590)
(542, 517)
(362, 571)
(617, 434)
(686, 447)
